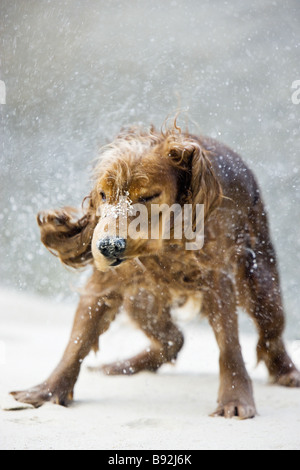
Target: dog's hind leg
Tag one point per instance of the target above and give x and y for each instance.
(155, 321)
(260, 295)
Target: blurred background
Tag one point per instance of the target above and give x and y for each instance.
(78, 70)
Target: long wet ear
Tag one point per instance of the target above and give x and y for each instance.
(67, 233)
(199, 182)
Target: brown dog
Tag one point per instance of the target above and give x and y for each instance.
(149, 275)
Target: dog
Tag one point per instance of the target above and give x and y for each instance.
(235, 266)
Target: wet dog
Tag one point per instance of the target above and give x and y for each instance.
(235, 266)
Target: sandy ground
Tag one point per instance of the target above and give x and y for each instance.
(161, 411)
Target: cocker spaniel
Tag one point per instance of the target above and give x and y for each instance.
(234, 266)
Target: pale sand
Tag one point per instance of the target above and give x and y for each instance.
(166, 411)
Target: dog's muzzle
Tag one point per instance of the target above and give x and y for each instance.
(112, 248)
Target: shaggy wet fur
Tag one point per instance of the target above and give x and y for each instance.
(236, 266)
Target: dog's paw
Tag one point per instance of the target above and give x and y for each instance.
(235, 409)
(145, 361)
(41, 394)
(290, 379)
(115, 368)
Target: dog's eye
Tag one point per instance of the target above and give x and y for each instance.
(103, 195)
(149, 198)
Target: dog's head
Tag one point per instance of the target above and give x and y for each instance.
(142, 182)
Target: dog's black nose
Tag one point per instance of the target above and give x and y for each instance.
(112, 247)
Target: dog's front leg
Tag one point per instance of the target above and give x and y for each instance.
(235, 392)
(92, 318)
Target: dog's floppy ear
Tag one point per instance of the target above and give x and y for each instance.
(67, 233)
(198, 180)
